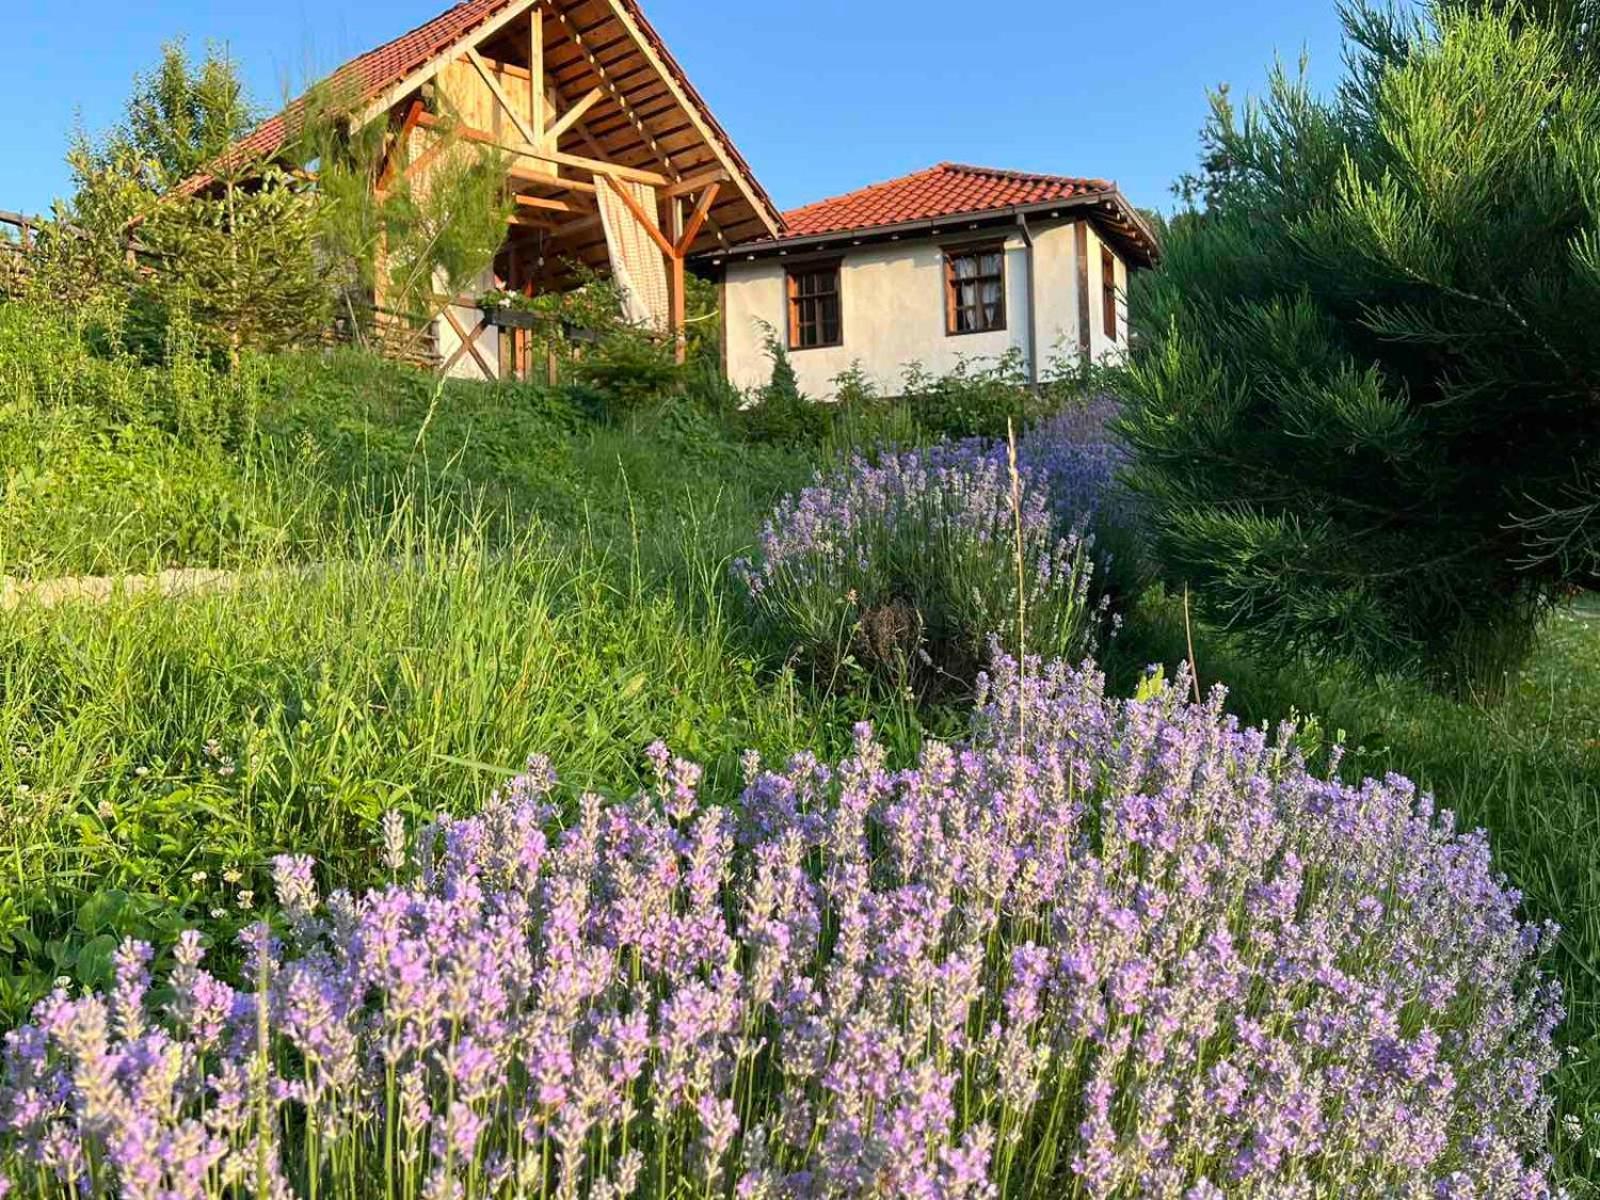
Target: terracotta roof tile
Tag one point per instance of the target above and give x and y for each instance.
(948, 189)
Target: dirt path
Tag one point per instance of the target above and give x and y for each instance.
(96, 589)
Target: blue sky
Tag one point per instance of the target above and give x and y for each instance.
(821, 96)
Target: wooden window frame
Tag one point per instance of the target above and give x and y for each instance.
(1108, 291)
(793, 300)
(952, 308)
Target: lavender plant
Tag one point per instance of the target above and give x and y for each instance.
(908, 561)
(1103, 948)
(1079, 456)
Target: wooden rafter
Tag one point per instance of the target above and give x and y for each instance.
(613, 87)
(546, 204)
(603, 74)
(708, 134)
(697, 218)
(694, 183)
(572, 116)
(552, 157)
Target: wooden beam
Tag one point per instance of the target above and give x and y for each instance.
(693, 183)
(642, 217)
(680, 306)
(553, 157)
(525, 129)
(572, 116)
(642, 43)
(678, 297)
(423, 160)
(536, 76)
(469, 342)
(391, 96)
(547, 204)
(397, 147)
(698, 218)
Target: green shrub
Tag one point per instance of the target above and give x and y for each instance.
(781, 412)
(627, 370)
(1362, 405)
(977, 399)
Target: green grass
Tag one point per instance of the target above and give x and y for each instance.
(413, 676)
(440, 581)
(1526, 769)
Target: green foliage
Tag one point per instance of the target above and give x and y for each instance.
(242, 262)
(1362, 405)
(629, 369)
(178, 118)
(781, 413)
(977, 399)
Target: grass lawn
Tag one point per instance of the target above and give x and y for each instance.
(500, 574)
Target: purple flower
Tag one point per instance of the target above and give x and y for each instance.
(1108, 947)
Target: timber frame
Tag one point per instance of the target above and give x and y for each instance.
(582, 98)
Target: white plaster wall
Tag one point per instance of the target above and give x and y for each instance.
(1102, 348)
(893, 304)
(488, 342)
(1056, 258)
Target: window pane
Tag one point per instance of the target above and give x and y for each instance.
(991, 305)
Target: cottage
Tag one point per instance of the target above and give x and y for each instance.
(949, 263)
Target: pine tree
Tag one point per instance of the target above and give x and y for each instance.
(1364, 408)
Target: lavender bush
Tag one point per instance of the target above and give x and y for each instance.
(910, 560)
(1104, 948)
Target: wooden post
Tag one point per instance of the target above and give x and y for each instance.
(536, 107)
(680, 298)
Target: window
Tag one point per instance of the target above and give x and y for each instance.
(975, 290)
(814, 307)
(1108, 290)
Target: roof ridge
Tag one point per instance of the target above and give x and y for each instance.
(1013, 173)
(871, 187)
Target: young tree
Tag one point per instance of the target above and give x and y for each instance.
(1365, 408)
(178, 117)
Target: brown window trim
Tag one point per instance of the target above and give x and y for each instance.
(1108, 291)
(972, 250)
(792, 298)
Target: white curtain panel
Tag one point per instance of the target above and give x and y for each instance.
(637, 264)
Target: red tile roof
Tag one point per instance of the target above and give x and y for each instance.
(948, 189)
(364, 77)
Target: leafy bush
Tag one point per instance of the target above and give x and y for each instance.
(906, 564)
(781, 413)
(1104, 948)
(976, 399)
(628, 370)
(51, 362)
(1361, 406)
